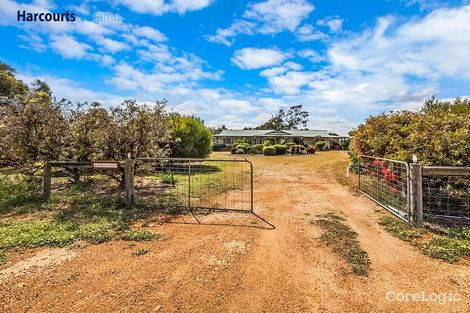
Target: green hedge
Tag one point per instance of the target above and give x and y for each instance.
(280, 149)
(269, 151)
(256, 149)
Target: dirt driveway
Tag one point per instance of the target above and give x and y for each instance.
(250, 267)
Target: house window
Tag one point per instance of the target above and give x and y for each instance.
(228, 141)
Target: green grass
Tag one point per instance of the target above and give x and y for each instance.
(207, 182)
(449, 244)
(72, 214)
(343, 241)
(18, 191)
(139, 235)
(401, 229)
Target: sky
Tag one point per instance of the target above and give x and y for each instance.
(235, 63)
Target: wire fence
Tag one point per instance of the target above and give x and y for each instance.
(176, 183)
(446, 197)
(386, 182)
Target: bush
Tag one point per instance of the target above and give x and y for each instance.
(297, 149)
(320, 145)
(280, 149)
(439, 134)
(233, 150)
(267, 143)
(243, 147)
(239, 151)
(269, 151)
(255, 149)
(311, 150)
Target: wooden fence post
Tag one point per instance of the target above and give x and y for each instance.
(417, 193)
(47, 173)
(129, 181)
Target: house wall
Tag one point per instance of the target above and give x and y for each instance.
(228, 141)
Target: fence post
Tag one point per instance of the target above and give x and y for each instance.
(47, 173)
(417, 193)
(129, 181)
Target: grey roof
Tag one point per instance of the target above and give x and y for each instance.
(274, 133)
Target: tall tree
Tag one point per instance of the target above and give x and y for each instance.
(293, 118)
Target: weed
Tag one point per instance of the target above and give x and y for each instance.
(401, 229)
(140, 235)
(343, 240)
(331, 215)
(445, 248)
(141, 252)
(17, 191)
(167, 178)
(449, 245)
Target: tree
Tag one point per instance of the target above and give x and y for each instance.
(292, 119)
(137, 131)
(189, 137)
(32, 124)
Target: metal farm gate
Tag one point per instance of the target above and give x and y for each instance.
(183, 183)
(386, 182)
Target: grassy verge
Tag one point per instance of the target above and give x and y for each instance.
(449, 244)
(343, 240)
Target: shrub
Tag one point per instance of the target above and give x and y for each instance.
(239, 151)
(243, 147)
(269, 151)
(255, 149)
(280, 149)
(297, 149)
(311, 150)
(439, 134)
(233, 150)
(320, 145)
(267, 143)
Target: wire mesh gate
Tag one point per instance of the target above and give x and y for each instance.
(386, 182)
(175, 183)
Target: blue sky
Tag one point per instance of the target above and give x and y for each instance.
(236, 62)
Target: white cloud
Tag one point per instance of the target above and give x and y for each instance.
(311, 55)
(225, 35)
(274, 71)
(279, 15)
(309, 33)
(33, 42)
(253, 58)
(68, 47)
(112, 46)
(335, 24)
(72, 90)
(265, 17)
(150, 33)
(159, 7)
(432, 47)
(290, 82)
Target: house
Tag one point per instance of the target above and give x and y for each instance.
(256, 136)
